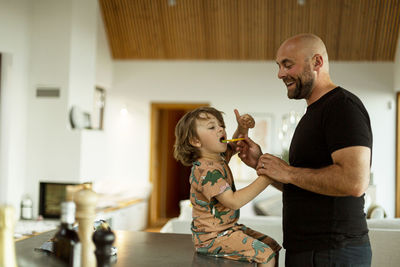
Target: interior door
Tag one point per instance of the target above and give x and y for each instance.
(170, 179)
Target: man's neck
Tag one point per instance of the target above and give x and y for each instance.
(319, 90)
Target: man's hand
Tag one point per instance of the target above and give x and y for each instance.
(274, 167)
(249, 152)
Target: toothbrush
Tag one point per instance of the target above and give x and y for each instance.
(232, 140)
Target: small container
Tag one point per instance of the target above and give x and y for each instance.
(26, 208)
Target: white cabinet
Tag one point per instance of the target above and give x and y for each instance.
(130, 218)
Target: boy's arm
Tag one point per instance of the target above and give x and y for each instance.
(236, 200)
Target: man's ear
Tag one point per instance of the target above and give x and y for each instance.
(195, 142)
(318, 62)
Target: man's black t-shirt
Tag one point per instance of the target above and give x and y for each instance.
(313, 221)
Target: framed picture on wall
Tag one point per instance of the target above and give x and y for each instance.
(98, 108)
(262, 133)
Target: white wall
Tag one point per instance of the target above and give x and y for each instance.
(248, 86)
(45, 43)
(15, 21)
(53, 150)
(63, 53)
(83, 27)
(94, 151)
(104, 62)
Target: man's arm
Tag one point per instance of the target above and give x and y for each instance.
(249, 152)
(236, 200)
(347, 176)
(278, 185)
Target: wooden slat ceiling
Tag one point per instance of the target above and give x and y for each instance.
(353, 30)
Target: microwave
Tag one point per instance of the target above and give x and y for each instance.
(52, 194)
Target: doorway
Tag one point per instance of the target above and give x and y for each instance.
(170, 179)
(397, 204)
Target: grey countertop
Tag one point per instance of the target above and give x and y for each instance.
(140, 249)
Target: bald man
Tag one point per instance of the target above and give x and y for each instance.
(323, 188)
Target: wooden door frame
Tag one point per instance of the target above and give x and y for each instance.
(397, 204)
(154, 219)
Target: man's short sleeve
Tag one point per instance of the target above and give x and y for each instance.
(213, 183)
(347, 124)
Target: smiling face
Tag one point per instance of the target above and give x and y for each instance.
(210, 132)
(295, 70)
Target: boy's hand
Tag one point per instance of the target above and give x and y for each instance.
(244, 121)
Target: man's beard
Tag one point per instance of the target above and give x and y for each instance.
(304, 86)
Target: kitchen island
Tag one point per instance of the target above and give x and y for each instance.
(141, 249)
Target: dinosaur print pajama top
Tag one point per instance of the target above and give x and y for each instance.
(215, 231)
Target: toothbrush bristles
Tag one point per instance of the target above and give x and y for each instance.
(232, 140)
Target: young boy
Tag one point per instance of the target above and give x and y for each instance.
(215, 201)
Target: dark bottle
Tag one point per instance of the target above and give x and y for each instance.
(67, 246)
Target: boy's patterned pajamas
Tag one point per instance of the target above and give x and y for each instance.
(214, 227)
(243, 244)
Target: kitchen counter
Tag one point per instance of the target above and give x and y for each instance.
(141, 249)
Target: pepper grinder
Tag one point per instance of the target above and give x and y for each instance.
(85, 201)
(103, 239)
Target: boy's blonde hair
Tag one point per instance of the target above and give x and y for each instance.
(185, 131)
